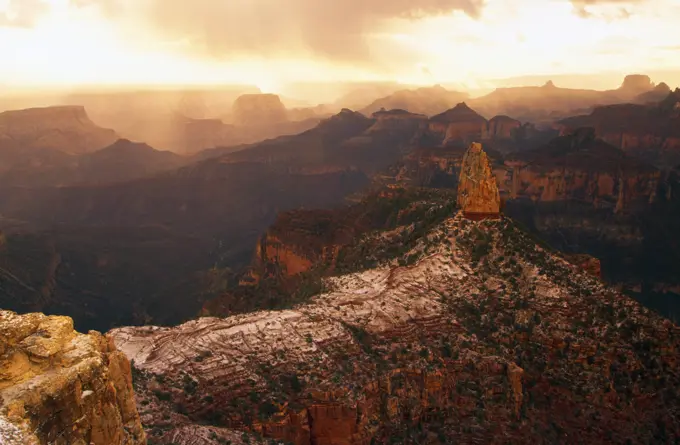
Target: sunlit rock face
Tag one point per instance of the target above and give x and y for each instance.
(478, 195)
(61, 387)
(64, 128)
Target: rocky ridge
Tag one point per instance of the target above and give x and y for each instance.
(581, 167)
(650, 132)
(475, 334)
(544, 104)
(61, 387)
(428, 101)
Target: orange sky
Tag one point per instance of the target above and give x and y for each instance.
(271, 42)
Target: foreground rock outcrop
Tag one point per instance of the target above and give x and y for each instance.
(61, 387)
(474, 334)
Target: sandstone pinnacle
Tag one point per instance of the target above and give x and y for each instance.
(478, 195)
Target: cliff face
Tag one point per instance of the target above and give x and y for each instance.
(302, 241)
(397, 120)
(297, 241)
(501, 127)
(583, 168)
(66, 128)
(424, 352)
(61, 387)
(651, 132)
(459, 125)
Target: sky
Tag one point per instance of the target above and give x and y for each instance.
(269, 43)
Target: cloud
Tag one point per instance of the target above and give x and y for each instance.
(613, 9)
(23, 13)
(333, 29)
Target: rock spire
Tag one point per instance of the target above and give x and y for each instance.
(478, 195)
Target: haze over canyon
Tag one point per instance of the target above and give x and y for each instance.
(339, 223)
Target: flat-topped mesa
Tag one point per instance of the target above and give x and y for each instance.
(65, 128)
(478, 195)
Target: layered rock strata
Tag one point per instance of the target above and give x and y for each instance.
(481, 337)
(478, 195)
(61, 387)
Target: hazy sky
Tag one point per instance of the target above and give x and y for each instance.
(269, 42)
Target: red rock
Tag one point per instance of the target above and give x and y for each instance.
(478, 195)
(501, 127)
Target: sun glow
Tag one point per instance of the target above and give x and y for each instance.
(80, 46)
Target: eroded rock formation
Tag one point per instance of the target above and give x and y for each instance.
(459, 125)
(259, 109)
(479, 337)
(651, 132)
(65, 128)
(501, 127)
(581, 167)
(478, 195)
(61, 387)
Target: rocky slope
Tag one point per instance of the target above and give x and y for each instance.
(460, 124)
(651, 132)
(122, 161)
(183, 229)
(61, 387)
(657, 94)
(501, 127)
(474, 334)
(584, 195)
(346, 140)
(304, 243)
(64, 128)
